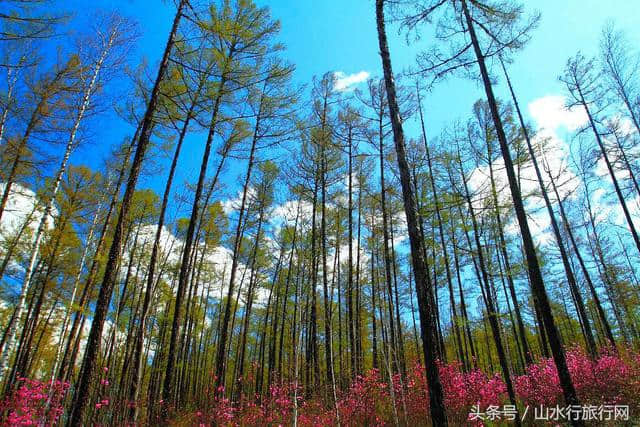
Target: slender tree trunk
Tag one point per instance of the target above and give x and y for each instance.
(286, 290)
(612, 174)
(167, 389)
(401, 354)
(249, 304)
(505, 256)
(463, 305)
(436, 401)
(350, 308)
(489, 298)
(220, 355)
(323, 242)
(537, 283)
(445, 253)
(148, 295)
(385, 237)
(588, 334)
(69, 355)
(65, 323)
(374, 281)
(358, 317)
(87, 378)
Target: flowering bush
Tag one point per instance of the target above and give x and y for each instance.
(462, 390)
(609, 380)
(35, 402)
(219, 411)
(612, 379)
(367, 402)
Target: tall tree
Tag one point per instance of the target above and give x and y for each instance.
(502, 29)
(585, 91)
(420, 270)
(87, 376)
(114, 39)
(590, 341)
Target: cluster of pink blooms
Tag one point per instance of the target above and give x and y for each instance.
(365, 400)
(104, 382)
(218, 409)
(611, 379)
(461, 389)
(35, 402)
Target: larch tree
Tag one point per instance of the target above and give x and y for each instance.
(483, 30)
(420, 269)
(88, 76)
(87, 377)
(585, 91)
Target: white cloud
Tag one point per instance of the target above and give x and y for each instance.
(550, 113)
(233, 204)
(20, 204)
(21, 207)
(345, 82)
(287, 211)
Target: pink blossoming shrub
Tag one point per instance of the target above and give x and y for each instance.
(219, 411)
(314, 413)
(609, 380)
(539, 385)
(367, 402)
(417, 398)
(34, 402)
(276, 408)
(462, 390)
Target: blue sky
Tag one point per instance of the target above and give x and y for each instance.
(334, 35)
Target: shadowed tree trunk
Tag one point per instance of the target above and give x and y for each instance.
(87, 377)
(436, 400)
(582, 313)
(537, 283)
(148, 295)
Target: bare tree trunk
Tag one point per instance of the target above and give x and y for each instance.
(588, 334)
(148, 296)
(489, 298)
(286, 290)
(220, 351)
(436, 396)
(87, 378)
(350, 305)
(385, 238)
(445, 253)
(537, 283)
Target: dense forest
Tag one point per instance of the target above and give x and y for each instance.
(329, 258)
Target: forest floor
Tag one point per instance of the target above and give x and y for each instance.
(608, 388)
